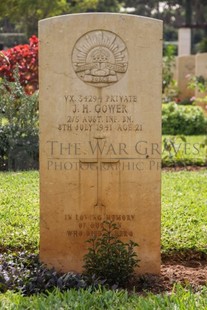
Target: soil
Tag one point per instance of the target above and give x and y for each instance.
(184, 168)
(187, 272)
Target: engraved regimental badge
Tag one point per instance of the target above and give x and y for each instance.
(100, 58)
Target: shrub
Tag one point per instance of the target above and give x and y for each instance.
(25, 58)
(203, 45)
(23, 272)
(109, 258)
(168, 65)
(186, 101)
(186, 120)
(18, 126)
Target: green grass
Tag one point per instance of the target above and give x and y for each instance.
(184, 150)
(184, 211)
(19, 210)
(180, 299)
(184, 215)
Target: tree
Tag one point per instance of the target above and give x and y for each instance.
(174, 13)
(178, 12)
(78, 6)
(25, 14)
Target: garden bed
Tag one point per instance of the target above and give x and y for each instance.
(190, 273)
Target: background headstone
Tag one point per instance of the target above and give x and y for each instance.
(100, 134)
(201, 70)
(184, 41)
(185, 67)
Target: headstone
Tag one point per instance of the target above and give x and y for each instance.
(184, 41)
(100, 134)
(185, 67)
(201, 70)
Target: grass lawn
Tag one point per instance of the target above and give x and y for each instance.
(184, 215)
(184, 228)
(184, 150)
(184, 211)
(19, 210)
(180, 299)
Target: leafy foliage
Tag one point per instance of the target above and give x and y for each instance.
(168, 65)
(19, 125)
(169, 85)
(102, 299)
(25, 58)
(186, 120)
(109, 258)
(26, 13)
(203, 45)
(182, 150)
(172, 12)
(24, 273)
(77, 6)
(200, 84)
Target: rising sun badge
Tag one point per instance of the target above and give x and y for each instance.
(100, 58)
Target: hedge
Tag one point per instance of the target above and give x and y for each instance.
(185, 120)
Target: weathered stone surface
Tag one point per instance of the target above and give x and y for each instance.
(100, 134)
(185, 67)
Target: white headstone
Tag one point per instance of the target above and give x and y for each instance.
(185, 70)
(100, 134)
(184, 41)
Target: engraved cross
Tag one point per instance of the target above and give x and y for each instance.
(98, 161)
